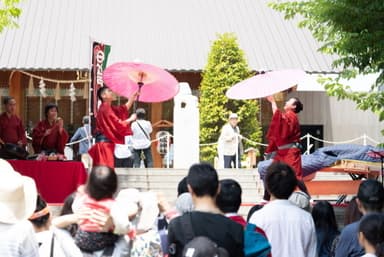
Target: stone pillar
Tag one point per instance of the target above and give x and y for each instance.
(185, 128)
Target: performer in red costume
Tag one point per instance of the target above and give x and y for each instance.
(284, 138)
(12, 131)
(112, 125)
(11, 127)
(49, 135)
(284, 134)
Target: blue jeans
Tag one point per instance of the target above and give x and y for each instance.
(231, 159)
(148, 161)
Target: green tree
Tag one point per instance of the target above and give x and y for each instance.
(8, 13)
(225, 67)
(354, 32)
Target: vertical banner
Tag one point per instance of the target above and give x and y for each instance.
(100, 54)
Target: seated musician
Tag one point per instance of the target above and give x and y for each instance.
(12, 132)
(49, 135)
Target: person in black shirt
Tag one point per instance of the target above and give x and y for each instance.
(206, 219)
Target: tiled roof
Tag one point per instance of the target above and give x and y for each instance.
(173, 34)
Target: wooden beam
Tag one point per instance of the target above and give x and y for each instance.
(16, 91)
(156, 115)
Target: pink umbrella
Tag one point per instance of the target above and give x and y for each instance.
(265, 84)
(153, 83)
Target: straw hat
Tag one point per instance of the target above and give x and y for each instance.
(18, 195)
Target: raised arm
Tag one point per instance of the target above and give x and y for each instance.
(271, 99)
(131, 100)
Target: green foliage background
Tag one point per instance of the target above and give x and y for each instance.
(354, 32)
(8, 13)
(225, 67)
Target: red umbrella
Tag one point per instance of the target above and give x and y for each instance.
(265, 84)
(153, 83)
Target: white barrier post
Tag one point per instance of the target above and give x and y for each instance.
(168, 153)
(308, 136)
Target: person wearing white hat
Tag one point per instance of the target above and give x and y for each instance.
(18, 196)
(229, 144)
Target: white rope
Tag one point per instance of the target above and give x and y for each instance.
(67, 144)
(372, 140)
(337, 142)
(253, 142)
(208, 144)
(250, 141)
(54, 80)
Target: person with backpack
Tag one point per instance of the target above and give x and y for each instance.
(206, 219)
(229, 200)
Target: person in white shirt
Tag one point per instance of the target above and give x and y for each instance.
(229, 144)
(50, 239)
(17, 202)
(289, 229)
(141, 140)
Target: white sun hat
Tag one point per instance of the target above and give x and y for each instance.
(18, 195)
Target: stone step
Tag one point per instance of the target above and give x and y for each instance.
(166, 181)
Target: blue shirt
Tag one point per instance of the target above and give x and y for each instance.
(80, 134)
(348, 245)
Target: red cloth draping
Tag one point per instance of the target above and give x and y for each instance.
(102, 153)
(55, 140)
(12, 129)
(111, 122)
(285, 129)
(55, 180)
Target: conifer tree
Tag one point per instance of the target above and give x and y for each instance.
(225, 67)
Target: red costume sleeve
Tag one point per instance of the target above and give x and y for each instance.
(111, 122)
(56, 140)
(37, 136)
(284, 129)
(12, 129)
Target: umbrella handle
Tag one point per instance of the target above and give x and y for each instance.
(140, 84)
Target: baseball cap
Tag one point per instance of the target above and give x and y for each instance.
(140, 110)
(371, 191)
(202, 246)
(233, 116)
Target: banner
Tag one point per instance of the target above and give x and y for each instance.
(100, 54)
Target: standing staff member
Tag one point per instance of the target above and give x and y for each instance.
(84, 145)
(141, 140)
(230, 142)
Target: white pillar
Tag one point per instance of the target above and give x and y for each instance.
(185, 128)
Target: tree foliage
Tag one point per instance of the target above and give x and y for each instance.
(354, 32)
(8, 13)
(225, 67)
